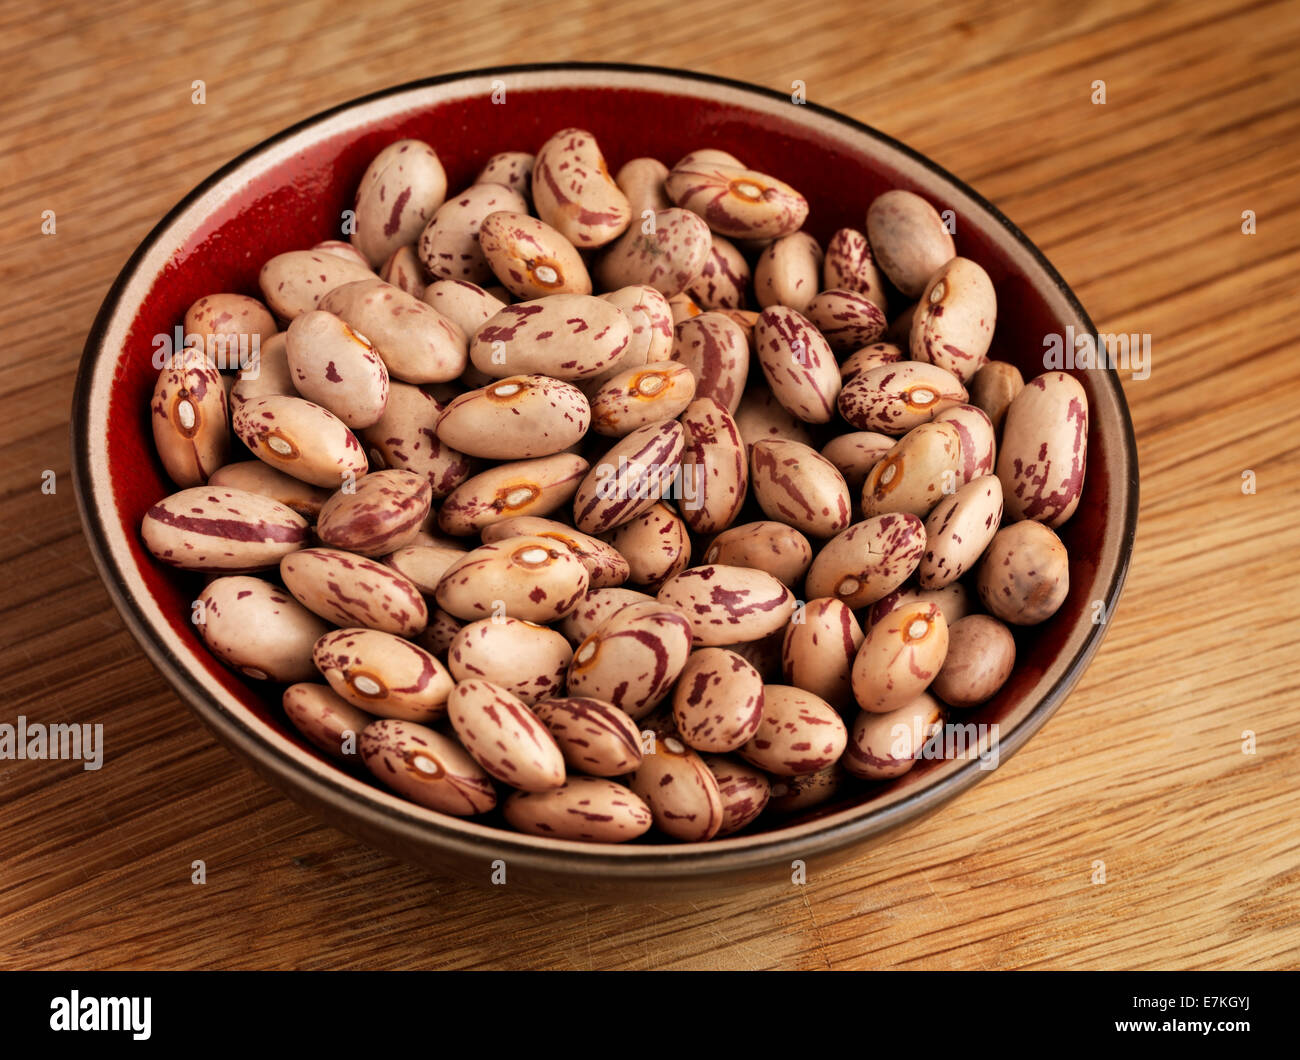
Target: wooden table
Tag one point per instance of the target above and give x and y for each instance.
(1139, 203)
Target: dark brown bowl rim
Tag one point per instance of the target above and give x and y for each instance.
(721, 860)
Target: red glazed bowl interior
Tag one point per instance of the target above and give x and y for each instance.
(290, 193)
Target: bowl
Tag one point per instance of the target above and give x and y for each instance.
(289, 192)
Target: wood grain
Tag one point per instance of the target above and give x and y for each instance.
(1138, 202)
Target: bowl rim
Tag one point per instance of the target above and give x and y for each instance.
(625, 862)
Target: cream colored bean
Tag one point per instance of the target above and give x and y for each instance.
(1044, 453)
(350, 590)
(651, 329)
(655, 545)
(630, 478)
(404, 437)
(953, 600)
(916, 474)
(774, 547)
(795, 484)
(727, 605)
(426, 767)
(981, 656)
(736, 201)
(716, 351)
(565, 336)
(959, 530)
(855, 454)
(584, 809)
(718, 703)
(863, 360)
(641, 396)
(384, 674)
(296, 281)
(597, 606)
(404, 270)
(633, 658)
(594, 736)
(231, 531)
(424, 565)
(257, 628)
(257, 477)
(337, 368)
(899, 657)
(642, 181)
(605, 565)
(575, 194)
(416, 342)
(343, 250)
(744, 790)
(681, 792)
(523, 487)
(909, 239)
(894, 398)
(725, 280)
(885, 746)
(191, 431)
(666, 251)
(517, 417)
(400, 191)
(514, 169)
(993, 389)
(850, 266)
(787, 272)
(465, 304)
(978, 443)
(325, 719)
(715, 471)
(533, 578)
(867, 561)
(527, 660)
(954, 320)
(381, 514)
(818, 650)
(1024, 577)
(449, 246)
(231, 326)
(800, 733)
(760, 415)
(847, 320)
(505, 737)
(266, 375)
(301, 439)
(530, 258)
(798, 364)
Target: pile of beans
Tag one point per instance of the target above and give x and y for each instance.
(692, 549)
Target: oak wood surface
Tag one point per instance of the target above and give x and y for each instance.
(1138, 202)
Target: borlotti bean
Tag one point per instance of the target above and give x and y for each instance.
(301, 439)
(505, 737)
(523, 487)
(719, 700)
(519, 416)
(584, 808)
(633, 658)
(715, 471)
(531, 259)
(894, 398)
(326, 720)
(258, 629)
(350, 590)
(400, 191)
(779, 549)
(527, 660)
(337, 368)
(745, 791)
(383, 674)
(191, 421)
(381, 514)
(1044, 452)
(426, 767)
(230, 531)
(899, 657)
(533, 578)
(595, 737)
(796, 485)
(800, 733)
(727, 605)
(954, 319)
(554, 409)
(981, 655)
(656, 543)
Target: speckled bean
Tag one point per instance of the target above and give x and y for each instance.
(797, 363)
(640, 396)
(1024, 577)
(725, 279)
(899, 657)
(404, 270)
(383, 674)
(908, 238)
(565, 336)
(680, 790)
(337, 368)
(953, 600)
(760, 415)
(736, 201)
(654, 546)
(633, 657)
(818, 650)
(850, 266)
(399, 193)
(795, 484)
(780, 550)
(527, 660)
(301, 439)
(530, 258)
(522, 487)
(189, 415)
(449, 246)
(994, 387)
(847, 320)
(715, 471)
(257, 477)
(666, 251)
(597, 606)
(514, 169)
(978, 442)
(630, 478)
(800, 733)
(232, 531)
(405, 438)
(855, 454)
(296, 281)
(728, 604)
(575, 194)
(954, 320)
(350, 590)
(642, 181)
(714, 348)
(258, 629)
(792, 794)
(1044, 453)
(787, 272)
(884, 746)
(916, 474)
(424, 565)
(517, 417)
(266, 375)
(605, 566)
(745, 791)
(533, 578)
(380, 515)
(426, 767)
(326, 720)
(863, 360)
(868, 560)
(595, 737)
(718, 702)
(585, 809)
(894, 398)
(959, 530)
(505, 737)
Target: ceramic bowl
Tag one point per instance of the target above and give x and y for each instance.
(289, 193)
